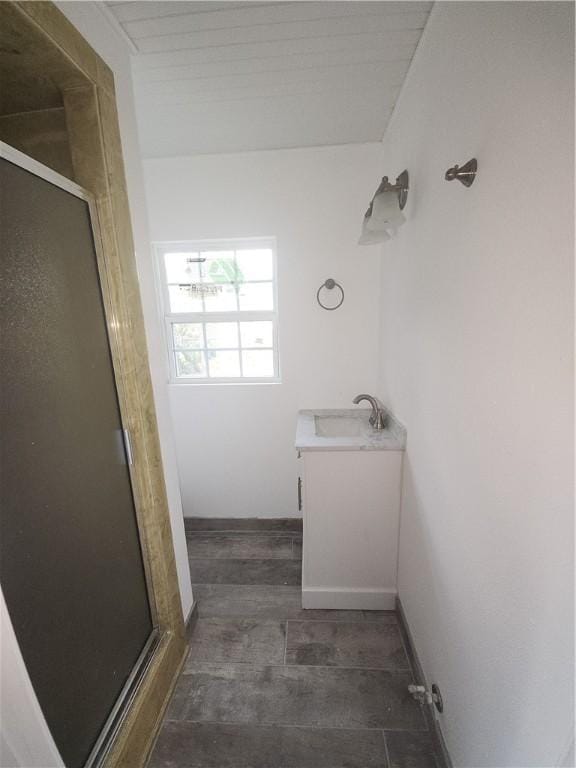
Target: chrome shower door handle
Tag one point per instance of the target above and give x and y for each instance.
(128, 447)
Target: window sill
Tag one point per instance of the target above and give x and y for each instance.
(224, 382)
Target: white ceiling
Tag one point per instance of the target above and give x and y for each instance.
(234, 76)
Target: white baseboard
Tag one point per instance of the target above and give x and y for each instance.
(343, 598)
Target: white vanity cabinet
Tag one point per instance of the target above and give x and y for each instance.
(350, 490)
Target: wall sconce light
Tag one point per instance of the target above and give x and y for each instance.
(371, 237)
(465, 175)
(384, 214)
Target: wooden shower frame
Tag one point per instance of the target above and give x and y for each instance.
(38, 37)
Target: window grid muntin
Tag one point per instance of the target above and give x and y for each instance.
(205, 317)
(205, 349)
(200, 251)
(236, 287)
(205, 344)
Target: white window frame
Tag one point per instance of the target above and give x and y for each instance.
(169, 317)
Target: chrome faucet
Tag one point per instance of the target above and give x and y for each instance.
(378, 416)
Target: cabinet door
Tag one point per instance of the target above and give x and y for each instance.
(71, 566)
(351, 524)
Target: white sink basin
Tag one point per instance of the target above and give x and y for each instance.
(346, 429)
(339, 426)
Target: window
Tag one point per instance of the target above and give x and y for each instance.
(219, 305)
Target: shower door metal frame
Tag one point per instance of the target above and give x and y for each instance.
(126, 696)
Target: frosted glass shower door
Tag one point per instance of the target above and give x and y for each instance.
(71, 565)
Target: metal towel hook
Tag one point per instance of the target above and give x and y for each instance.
(330, 284)
(465, 174)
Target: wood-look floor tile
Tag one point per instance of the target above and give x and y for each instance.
(330, 694)
(271, 602)
(343, 644)
(210, 745)
(242, 524)
(237, 640)
(411, 750)
(305, 696)
(240, 545)
(245, 572)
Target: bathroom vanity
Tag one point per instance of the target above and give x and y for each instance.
(349, 483)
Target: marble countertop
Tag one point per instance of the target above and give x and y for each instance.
(392, 438)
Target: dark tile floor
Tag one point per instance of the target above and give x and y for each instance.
(269, 685)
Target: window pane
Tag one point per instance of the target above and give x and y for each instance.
(256, 362)
(223, 364)
(180, 267)
(256, 334)
(256, 296)
(222, 298)
(190, 364)
(255, 264)
(221, 309)
(184, 298)
(222, 335)
(219, 267)
(188, 335)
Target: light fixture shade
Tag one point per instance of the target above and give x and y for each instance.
(372, 237)
(386, 213)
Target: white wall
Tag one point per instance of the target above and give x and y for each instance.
(477, 355)
(235, 443)
(94, 26)
(25, 740)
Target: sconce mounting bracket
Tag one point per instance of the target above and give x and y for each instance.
(400, 187)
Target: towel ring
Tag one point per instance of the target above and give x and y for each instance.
(330, 284)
